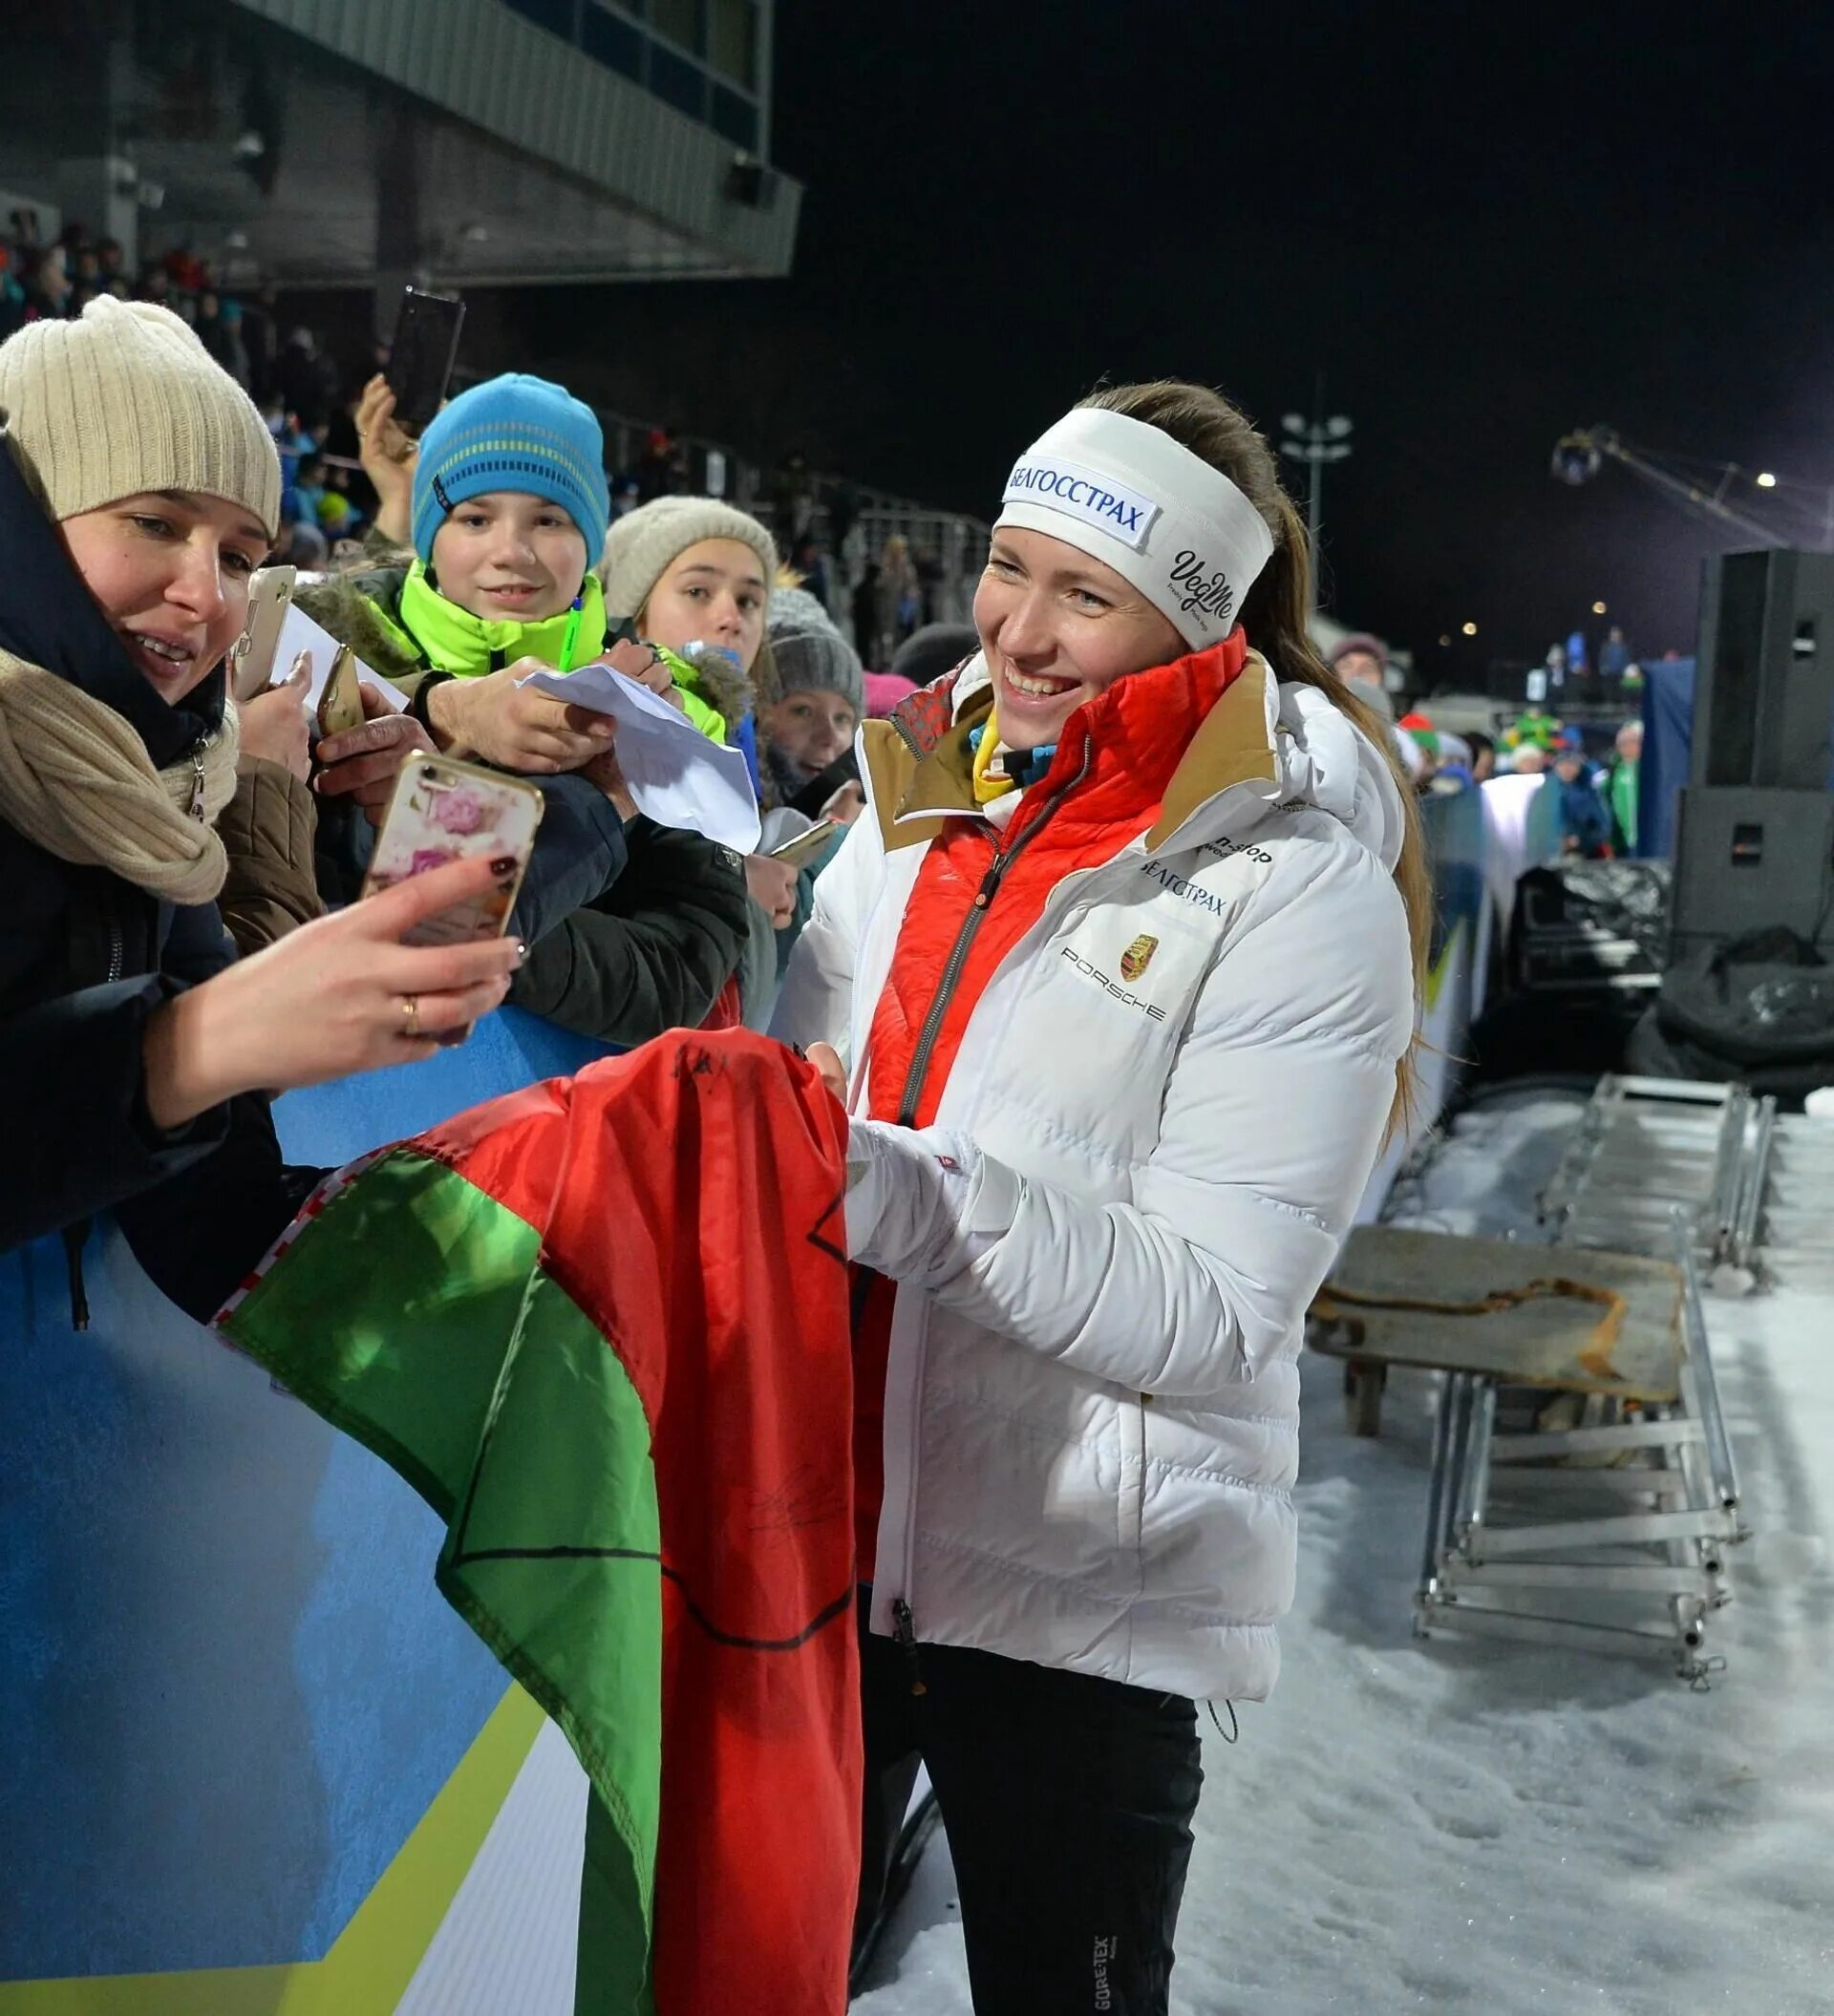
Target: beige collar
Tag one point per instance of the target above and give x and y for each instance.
(1233, 744)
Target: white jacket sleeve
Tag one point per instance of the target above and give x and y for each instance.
(1272, 1117)
(815, 1002)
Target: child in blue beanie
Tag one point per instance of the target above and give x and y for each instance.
(509, 503)
(513, 436)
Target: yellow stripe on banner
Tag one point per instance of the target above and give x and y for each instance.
(1442, 966)
(372, 1960)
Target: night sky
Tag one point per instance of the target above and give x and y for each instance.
(1486, 225)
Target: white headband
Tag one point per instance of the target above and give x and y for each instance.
(1131, 497)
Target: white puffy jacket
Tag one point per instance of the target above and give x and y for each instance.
(1106, 1244)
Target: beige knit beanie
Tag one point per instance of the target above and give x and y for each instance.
(642, 546)
(126, 399)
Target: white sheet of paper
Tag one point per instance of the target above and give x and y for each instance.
(300, 633)
(677, 776)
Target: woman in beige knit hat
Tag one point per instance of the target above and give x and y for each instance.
(139, 492)
(697, 571)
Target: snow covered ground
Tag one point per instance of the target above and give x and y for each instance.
(1489, 1827)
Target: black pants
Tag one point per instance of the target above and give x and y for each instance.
(1068, 1803)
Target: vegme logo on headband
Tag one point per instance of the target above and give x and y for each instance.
(1200, 587)
(1098, 500)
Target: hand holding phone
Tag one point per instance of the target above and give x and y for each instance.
(421, 357)
(251, 662)
(801, 848)
(275, 725)
(340, 706)
(444, 811)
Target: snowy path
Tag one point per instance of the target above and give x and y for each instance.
(1493, 1829)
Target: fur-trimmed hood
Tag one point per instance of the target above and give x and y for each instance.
(361, 609)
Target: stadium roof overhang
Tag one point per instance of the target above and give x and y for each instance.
(318, 142)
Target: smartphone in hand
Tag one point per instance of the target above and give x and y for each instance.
(270, 595)
(801, 848)
(444, 812)
(340, 706)
(422, 355)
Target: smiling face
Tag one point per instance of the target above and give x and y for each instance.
(811, 729)
(170, 571)
(1059, 629)
(714, 592)
(509, 558)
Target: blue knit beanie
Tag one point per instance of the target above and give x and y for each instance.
(512, 433)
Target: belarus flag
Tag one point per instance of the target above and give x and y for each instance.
(600, 1326)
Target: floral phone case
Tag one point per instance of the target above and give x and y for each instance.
(443, 811)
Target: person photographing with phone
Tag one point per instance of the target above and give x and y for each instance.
(139, 492)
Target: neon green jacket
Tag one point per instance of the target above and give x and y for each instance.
(400, 626)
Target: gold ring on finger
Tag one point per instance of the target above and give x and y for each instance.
(410, 1015)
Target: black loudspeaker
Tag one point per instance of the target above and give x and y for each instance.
(1746, 859)
(1764, 693)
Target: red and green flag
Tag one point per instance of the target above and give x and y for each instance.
(600, 1326)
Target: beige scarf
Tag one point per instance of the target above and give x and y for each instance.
(75, 778)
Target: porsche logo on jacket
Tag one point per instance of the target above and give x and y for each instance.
(1138, 956)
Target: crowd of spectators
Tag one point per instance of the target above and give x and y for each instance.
(306, 399)
(878, 591)
(1596, 798)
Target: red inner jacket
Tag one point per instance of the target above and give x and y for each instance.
(1105, 786)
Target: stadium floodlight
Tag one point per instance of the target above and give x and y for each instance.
(1316, 442)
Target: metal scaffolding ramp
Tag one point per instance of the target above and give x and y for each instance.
(1608, 1534)
(1648, 1147)
(1584, 1492)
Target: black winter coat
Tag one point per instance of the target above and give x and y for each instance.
(85, 959)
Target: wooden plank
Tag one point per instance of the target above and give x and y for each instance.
(1613, 1329)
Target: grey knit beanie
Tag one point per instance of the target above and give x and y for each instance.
(641, 547)
(124, 399)
(797, 606)
(811, 655)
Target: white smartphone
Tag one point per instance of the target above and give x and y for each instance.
(270, 595)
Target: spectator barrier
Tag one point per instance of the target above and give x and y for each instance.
(1467, 915)
(243, 1732)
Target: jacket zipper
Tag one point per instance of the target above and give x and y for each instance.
(196, 806)
(904, 1623)
(116, 951)
(1003, 858)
